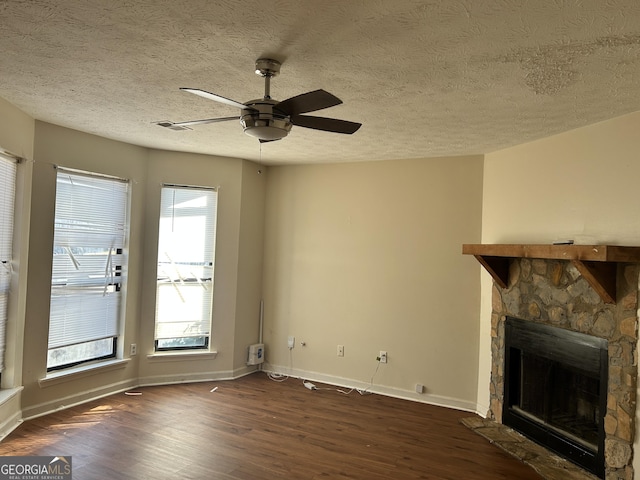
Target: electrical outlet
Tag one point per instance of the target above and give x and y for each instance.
(383, 356)
(133, 349)
(291, 341)
(341, 350)
(419, 388)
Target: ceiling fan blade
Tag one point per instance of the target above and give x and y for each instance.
(206, 120)
(214, 97)
(185, 125)
(267, 141)
(326, 124)
(308, 102)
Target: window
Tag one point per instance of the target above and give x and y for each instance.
(186, 245)
(7, 198)
(87, 277)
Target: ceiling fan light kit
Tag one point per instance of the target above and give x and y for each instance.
(267, 129)
(263, 123)
(269, 120)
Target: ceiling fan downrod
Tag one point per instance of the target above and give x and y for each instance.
(267, 68)
(261, 121)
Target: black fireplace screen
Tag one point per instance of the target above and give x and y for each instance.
(555, 390)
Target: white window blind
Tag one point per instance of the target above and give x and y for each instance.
(7, 202)
(186, 245)
(87, 275)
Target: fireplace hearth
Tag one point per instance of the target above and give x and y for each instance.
(556, 390)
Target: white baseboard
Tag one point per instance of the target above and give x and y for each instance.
(438, 400)
(10, 424)
(482, 410)
(184, 378)
(246, 370)
(196, 377)
(10, 411)
(77, 399)
(89, 395)
(45, 408)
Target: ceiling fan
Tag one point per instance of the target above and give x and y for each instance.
(267, 119)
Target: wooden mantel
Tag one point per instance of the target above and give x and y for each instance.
(596, 263)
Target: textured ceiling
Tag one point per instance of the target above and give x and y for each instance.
(425, 78)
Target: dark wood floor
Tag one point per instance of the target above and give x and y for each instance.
(255, 428)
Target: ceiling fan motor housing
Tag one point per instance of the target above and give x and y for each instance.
(263, 122)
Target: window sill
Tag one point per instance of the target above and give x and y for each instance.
(179, 356)
(8, 393)
(61, 376)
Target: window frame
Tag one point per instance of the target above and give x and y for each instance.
(8, 217)
(208, 228)
(84, 287)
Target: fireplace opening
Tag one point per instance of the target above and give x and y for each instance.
(556, 390)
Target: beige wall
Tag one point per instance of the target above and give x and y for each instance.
(238, 269)
(238, 264)
(16, 137)
(68, 148)
(16, 130)
(368, 256)
(580, 185)
(251, 246)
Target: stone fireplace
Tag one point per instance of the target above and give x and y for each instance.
(569, 290)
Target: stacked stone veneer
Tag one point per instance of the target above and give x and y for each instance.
(553, 292)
